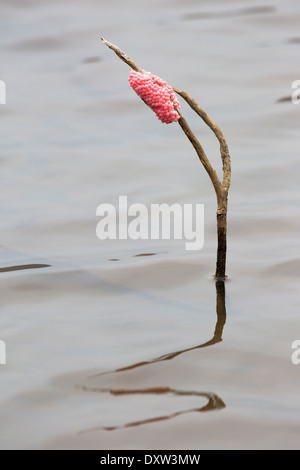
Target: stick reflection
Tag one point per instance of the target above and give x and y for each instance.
(213, 401)
(217, 336)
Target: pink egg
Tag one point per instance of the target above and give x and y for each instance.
(157, 94)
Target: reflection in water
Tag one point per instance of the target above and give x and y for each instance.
(213, 401)
(216, 338)
(23, 266)
(284, 99)
(231, 13)
(91, 60)
(145, 254)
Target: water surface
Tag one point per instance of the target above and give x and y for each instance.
(108, 347)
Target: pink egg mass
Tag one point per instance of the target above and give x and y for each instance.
(157, 94)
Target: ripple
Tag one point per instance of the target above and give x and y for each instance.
(229, 14)
(290, 269)
(23, 266)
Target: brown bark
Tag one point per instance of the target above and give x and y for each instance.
(221, 189)
(222, 243)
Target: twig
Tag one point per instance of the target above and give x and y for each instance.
(122, 56)
(200, 152)
(218, 133)
(221, 189)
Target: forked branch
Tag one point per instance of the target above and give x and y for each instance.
(218, 133)
(221, 189)
(122, 56)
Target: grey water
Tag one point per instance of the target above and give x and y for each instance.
(106, 347)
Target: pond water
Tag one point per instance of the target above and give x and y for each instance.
(106, 347)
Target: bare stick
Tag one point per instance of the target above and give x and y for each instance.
(122, 56)
(200, 152)
(218, 133)
(221, 189)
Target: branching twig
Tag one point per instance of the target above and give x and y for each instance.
(122, 56)
(200, 152)
(218, 133)
(221, 189)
